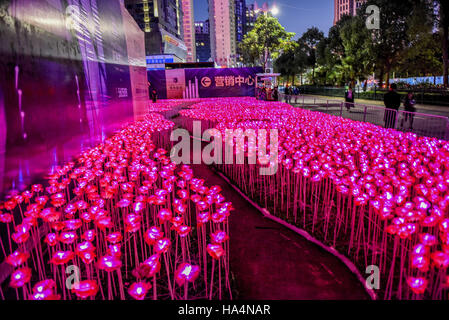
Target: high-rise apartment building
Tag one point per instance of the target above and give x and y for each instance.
(240, 20)
(189, 31)
(250, 17)
(222, 32)
(162, 22)
(240, 26)
(202, 37)
(346, 7)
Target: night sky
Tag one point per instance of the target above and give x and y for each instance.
(295, 15)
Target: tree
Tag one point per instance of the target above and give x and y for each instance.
(357, 54)
(405, 43)
(267, 39)
(443, 9)
(308, 45)
(285, 65)
(423, 59)
(323, 58)
(250, 49)
(335, 41)
(291, 62)
(423, 55)
(330, 52)
(390, 40)
(301, 61)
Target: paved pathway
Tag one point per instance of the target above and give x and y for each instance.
(271, 262)
(425, 123)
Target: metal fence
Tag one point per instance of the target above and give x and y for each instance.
(421, 95)
(419, 123)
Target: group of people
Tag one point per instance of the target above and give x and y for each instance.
(267, 94)
(289, 92)
(392, 102)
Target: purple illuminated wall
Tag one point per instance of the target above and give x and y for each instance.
(67, 81)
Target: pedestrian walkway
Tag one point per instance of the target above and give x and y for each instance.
(271, 262)
(422, 122)
(423, 108)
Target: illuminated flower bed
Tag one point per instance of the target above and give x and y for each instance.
(168, 108)
(161, 106)
(121, 221)
(377, 195)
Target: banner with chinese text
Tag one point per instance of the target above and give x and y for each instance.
(175, 83)
(207, 82)
(224, 82)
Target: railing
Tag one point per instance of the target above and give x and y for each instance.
(421, 95)
(419, 123)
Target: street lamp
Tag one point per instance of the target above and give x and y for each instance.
(274, 10)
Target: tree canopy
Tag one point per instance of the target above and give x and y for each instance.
(412, 40)
(267, 39)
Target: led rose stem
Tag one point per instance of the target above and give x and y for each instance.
(92, 229)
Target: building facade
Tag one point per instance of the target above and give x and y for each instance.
(202, 38)
(162, 22)
(240, 27)
(346, 7)
(240, 20)
(250, 17)
(189, 30)
(222, 32)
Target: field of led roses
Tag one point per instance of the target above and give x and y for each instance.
(377, 195)
(130, 223)
(121, 221)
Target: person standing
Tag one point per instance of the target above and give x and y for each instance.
(349, 98)
(150, 90)
(392, 101)
(275, 94)
(409, 106)
(263, 94)
(152, 93)
(269, 94)
(295, 92)
(287, 94)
